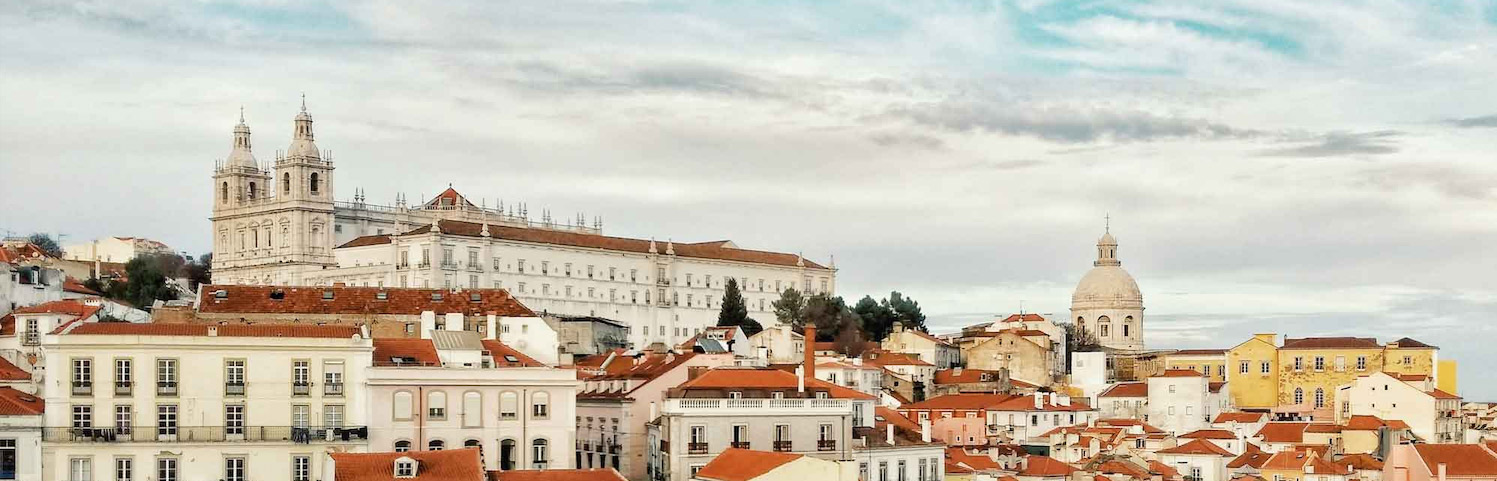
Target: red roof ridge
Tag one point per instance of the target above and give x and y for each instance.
(736, 464)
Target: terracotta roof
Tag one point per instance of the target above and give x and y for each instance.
(1283, 432)
(886, 358)
(1360, 462)
(891, 416)
(1126, 389)
(960, 401)
(1248, 477)
(1396, 424)
(710, 250)
(14, 402)
(765, 378)
(980, 462)
(1036, 465)
(72, 285)
(413, 352)
(8, 325)
(1200, 352)
(1126, 468)
(1198, 446)
(1322, 428)
(445, 465)
(1163, 469)
(1331, 343)
(71, 307)
(1467, 460)
(1215, 386)
(232, 330)
(643, 366)
(950, 376)
(1252, 457)
(449, 198)
(12, 253)
(1288, 460)
(1438, 394)
(1362, 422)
(367, 240)
(10, 372)
(1179, 373)
(357, 300)
(1209, 434)
(1407, 377)
(1024, 318)
(605, 474)
(735, 464)
(1405, 343)
(1129, 422)
(927, 335)
(501, 353)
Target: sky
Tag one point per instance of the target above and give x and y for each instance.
(1303, 168)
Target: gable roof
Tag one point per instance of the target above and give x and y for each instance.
(502, 352)
(1209, 434)
(1252, 457)
(1199, 352)
(765, 378)
(230, 330)
(1459, 459)
(1023, 318)
(1037, 465)
(71, 307)
(1126, 389)
(419, 352)
(1364, 422)
(1405, 343)
(1288, 432)
(927, 336)
(951, 376)
(735, 464)
(357, 300)
(979, 462)
(959, 401)
(14, 402)
(1360, 462)
(1331, 343)
(1179, 373)
(1198, 446)
(444, 465)
(11, 372)
(705, 250)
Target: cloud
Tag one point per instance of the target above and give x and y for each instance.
(1337, 144)
(919, 141)
(1483, 121)
(1065, 124)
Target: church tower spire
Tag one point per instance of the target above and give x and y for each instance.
(301, 139)
(242, 155)
(1107, 248)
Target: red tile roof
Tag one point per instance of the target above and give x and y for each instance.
(1126, 389)
(412, 352)
(1209, 434)
(445, 465)
(1179, 373)
(13, 253)
(1198, 446)
(1322, 428)
(449, 198)
(701, 250)
(605, 474)
(232, 330)
(16, 403)
(357, 300)
(980, 462)
(1331, 343)
(765, 378)
(500, 350)
(1289, 459)
(1036, 465)
(368, 240)
(927, 335)
(1216, 387)
(891, 416)
(1126, 468)
(10, 372)
(1163, 469)
(1405, 343)
(1283, 432)
(1362, 422)
(1360, 462)
(886, 358)
(1200, 352)
(959, 401)
(72, 285)
(735, 464)
(1466, 460)
(1253, 457)
(71, 307)
(1438, 394)
(1023, 318)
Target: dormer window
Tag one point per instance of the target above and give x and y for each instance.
(474, 297)
(436, 296)
(220, 294)
(381, 295)
(327, 295)
(405, 467)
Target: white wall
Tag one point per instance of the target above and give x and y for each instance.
(1179, 404)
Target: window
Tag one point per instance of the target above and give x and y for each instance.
(124, 469)
(301, 377)
(166, 469)
(405, 468)
(313, 183)
(435, 445)
(472, 409)
(922, 470)
(508, 405)
(234, 420)
(1319, 363)
(540, 405)
(1361, 363)
(234, 377)
(538, 454)
(901, 471)
(1263, 368)
(301, 415)
(1319, 398)
(1299, 396)
(301, 468)
(80, 469)
(1407, 360)
(83, 416)
(166, 377)
(332, 416)
(166, 420)
(402, 446)
(883, 471)
(332, 378)
(234, 469)
(8, 460)
(1299, 363)
(436, 405)
(123, 419)
(122, 374)
(83, 376)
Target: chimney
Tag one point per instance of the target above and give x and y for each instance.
(1039, 400)
(693, 372)
(800, 379)
(364, 331)
(491, 327)
(764, 353)
(925, 430)
(454, 321)
(956, 371)
(1440, 472)
(428, 323)
(654, 412)
(212, 331)
(889, 438)
(810, 362)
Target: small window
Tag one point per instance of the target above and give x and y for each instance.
(406, 468)
(435, 445)
(382, 295)
(436, 296)
(220, 294)
(327, 294)
(474, 297)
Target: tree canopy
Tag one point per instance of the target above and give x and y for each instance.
(46, 243)
(880, 317)
(734, 311)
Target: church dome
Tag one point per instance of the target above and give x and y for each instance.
(1107, 284)
(301, 140)
(241, 155)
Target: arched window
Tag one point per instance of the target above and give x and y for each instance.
(1299, 396)
(1127, 326)
(540, 405)
(313, 184)
(509, 405)
(1104, 326)
(472, 409)
(286, 183)
(539, 454)
(402, 406)
(472, 443)
(1319, 398)
(435, 445)
(254, 236)
(506, 455)
(252, 191)
(402, 446)
(436, 405)
(223, 192)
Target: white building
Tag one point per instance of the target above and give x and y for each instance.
(929, 348)
(453, 389)
(20, 434)
(852, 374)
(1125, 400)
(25, 280)
(1089, 373)
(1180, 401)
(280, 225)
(1107, 302)
(185, 402)
(779, 344)
(1027, 416)
(1433, 415)
(114, 249)
(1198, 460)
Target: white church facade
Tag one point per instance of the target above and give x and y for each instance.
(278, 224)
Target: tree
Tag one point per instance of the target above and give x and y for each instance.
(198, 271)
(46, 243)
(734, 312)
(1078, 339)
(906, 311)
(750, 327)
(146, 279)
(790, 308)
(877, 318)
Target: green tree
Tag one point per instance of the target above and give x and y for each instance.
(906, 311)
(146, 279)
(790, 308)
(733, 312)
(46, 243)
(750, 327)
(199, 271)
(877, 318)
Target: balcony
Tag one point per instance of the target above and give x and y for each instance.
(123, 388)
(204, 434)
(451, 266)
(423, 264)
(332, 389)
(475, 267)
(166, 388)
(233, 389)
(402, 265)
(83, 388)
(301, 388)
(31, 338)
(782, 446)
(696, 448)
(741, 444)
(826, 445)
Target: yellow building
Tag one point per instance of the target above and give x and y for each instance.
(1407, 356)
(1024, 352)
(1210, 362)
(1253, 372)
(1445, 379)
(1312, 368)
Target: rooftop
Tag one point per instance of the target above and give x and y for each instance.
(445, 465)
(1459, 459)
(1126, 389)
(233, 299)
(14, 402)
(765, 378)
(256, 330)
(606, 474)
(1289, 432)
(735, 464)
(1331, 343)
(1198, 446)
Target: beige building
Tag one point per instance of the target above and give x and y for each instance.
(1107, 302)
(927, 347)
(114, 249)
(1026, 354)
(619, 402)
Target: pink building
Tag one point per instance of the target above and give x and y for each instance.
(1441, 462)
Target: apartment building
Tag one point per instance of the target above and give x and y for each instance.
(1211, 363)
(193, 402)
(20, 434)
(1300, 377)
(926, 347)
(1180, 401)
(1433, 415)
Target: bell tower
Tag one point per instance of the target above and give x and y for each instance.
(305, 176)
(240, 187)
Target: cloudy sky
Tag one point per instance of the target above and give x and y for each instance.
(1269, 165)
